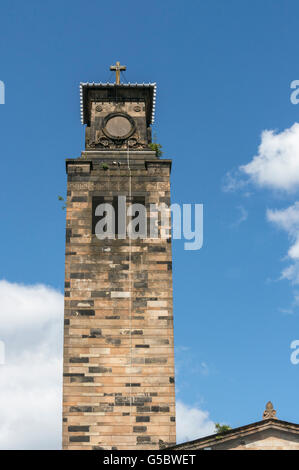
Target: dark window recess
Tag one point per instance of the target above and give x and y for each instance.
(115, 207)
(138, 200)
(97, 200)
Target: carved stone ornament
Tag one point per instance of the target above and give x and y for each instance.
(118, 126)
(269, 411)
(104, 142)
(132, 142)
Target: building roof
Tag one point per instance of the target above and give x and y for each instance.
(150, 96)
(243, 431)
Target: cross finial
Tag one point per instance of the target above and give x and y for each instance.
(117, 68)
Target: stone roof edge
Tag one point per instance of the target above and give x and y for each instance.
(240, 431)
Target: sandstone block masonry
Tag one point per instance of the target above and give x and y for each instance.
(118, 390)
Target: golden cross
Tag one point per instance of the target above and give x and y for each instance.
(117, 68)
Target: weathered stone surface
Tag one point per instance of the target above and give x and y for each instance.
(118, 319)
(118, 337)
(269, 434)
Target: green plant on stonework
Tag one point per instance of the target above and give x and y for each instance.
(61, 199)
(105, 166)
(221, 430)
(156, 147)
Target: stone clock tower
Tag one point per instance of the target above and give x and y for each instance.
(118, 390)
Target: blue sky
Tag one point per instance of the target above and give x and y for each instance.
(223, 71)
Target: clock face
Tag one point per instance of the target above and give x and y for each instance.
(118, 126)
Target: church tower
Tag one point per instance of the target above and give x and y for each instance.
(118, 389)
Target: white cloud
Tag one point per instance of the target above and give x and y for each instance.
(276, 165)
(288, 220)
(291, 273)
(192, 423)
(31, 379)
(233, 181)
(242, 217)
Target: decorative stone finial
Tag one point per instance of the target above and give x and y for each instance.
(117, 68)
(269, 411)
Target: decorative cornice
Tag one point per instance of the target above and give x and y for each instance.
(125, 85)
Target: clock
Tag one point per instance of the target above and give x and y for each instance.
(118, 126)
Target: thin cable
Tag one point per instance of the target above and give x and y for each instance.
(110, 77)
(124, 76)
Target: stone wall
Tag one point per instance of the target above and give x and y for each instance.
(118, 387)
